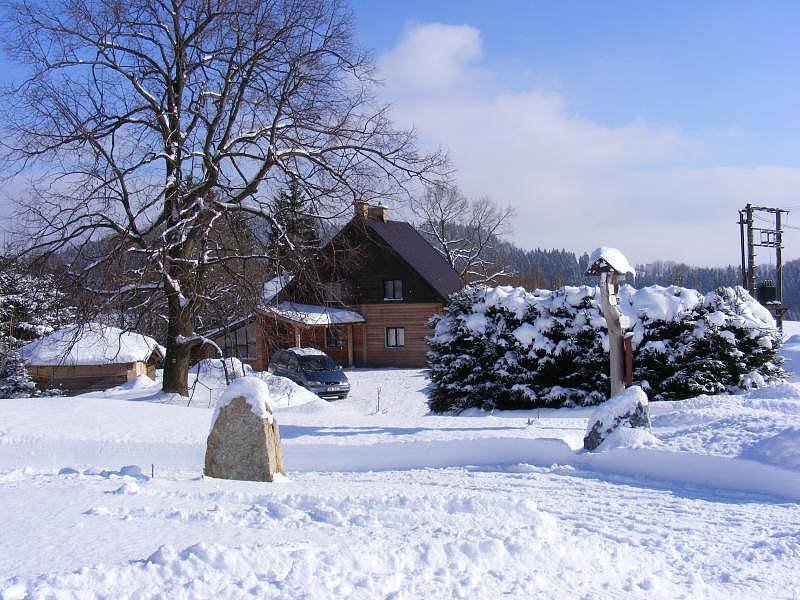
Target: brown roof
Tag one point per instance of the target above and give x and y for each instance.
(404, 239)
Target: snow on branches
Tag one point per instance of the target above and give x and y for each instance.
(507, 348)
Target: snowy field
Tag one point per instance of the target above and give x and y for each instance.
(387, 501)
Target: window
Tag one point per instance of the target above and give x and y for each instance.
(395, 337)
(393, 289)
(239, 342)
(332, 292)
(334, 337)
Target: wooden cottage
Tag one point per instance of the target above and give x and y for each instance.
(378, 283)
(82, 358)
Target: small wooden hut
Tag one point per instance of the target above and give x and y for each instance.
(83, 358)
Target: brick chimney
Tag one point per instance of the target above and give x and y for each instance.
(362, 208)
(379, 213)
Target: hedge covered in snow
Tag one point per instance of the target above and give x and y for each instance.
(507, 348)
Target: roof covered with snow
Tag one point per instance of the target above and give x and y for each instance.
(312, 314)
(605, 257)
(91, 344)
(273, 287)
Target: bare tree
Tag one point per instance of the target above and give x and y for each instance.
(147, 121)
(464, 231)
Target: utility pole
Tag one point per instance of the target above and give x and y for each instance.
(742, 223)
(771, 296)
(751, 251)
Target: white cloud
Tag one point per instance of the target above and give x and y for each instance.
(432, 57)
(575, 183)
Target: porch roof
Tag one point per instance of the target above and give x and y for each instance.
(314, 315)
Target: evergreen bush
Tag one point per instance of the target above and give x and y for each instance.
(507, 348)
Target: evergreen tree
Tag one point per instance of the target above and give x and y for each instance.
(14, 379)
(294, 239)
(31, 306)
(506, 348)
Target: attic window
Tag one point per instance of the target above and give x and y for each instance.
(333, 292)
(393, 289)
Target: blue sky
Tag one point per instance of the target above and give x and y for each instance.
(647, 125)
(640, 125)
(727, 70)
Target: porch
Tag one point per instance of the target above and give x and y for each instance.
(331, 329)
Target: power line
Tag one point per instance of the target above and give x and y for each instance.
(768, 237)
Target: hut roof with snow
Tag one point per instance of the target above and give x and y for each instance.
(79, 358)
(91, 344)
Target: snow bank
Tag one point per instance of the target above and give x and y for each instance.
(781, 450)
(212, 370)
(627, 437)
(253, 390)
(285, 393)
(90, 344)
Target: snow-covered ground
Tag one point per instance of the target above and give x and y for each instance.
(385, 500)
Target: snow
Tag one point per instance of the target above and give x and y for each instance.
(273, 287)
(387, 500)
(311, 314)
(306, 351)
(782, 449)
(612, 411)
(253, 390)
(659, 303)
(91, 344)
(627, 437)
(605, 256)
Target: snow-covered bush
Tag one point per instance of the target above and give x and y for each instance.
(508, 348)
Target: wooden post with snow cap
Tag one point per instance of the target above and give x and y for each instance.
(612, 267)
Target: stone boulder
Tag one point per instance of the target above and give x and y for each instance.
(244, 442)
(629, 409)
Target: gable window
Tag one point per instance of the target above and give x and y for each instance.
(395, 337)
(334, 337)
(333, 292)
(393, 289)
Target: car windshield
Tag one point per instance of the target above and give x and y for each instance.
(317, 362)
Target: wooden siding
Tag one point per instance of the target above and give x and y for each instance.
(412, 317)
(360, 261)
(278, 335)
(87, 378)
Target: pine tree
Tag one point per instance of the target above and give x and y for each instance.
(31, 306)
(14, 379)
(293, 234)
(509, 349)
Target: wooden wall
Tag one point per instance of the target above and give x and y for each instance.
(370, 348)
(86, 378)
(278, 335)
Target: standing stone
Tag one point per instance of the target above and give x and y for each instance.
(244, 442)
(627, 409)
